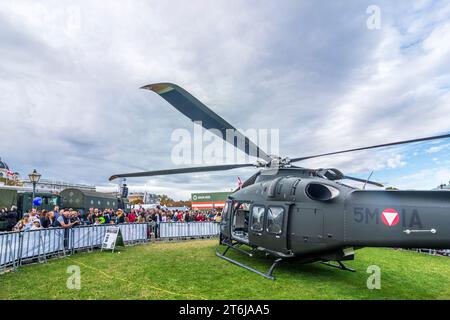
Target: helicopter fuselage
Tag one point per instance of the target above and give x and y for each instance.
(292, 213)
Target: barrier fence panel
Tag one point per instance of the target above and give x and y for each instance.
(9, 249)
(195, 229)
(19, 247)
(41, 243)
(188, 230)
(86, 237)
(163, 230)
(134, 232)
(89, 237)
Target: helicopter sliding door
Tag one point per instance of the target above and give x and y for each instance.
(239, 220)
(225, 223)
(268, 226)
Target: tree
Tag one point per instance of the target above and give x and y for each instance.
(165, 200)
(137, 201)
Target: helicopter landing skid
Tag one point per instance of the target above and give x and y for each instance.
(340, 265)
(237, 246)
(267, 275)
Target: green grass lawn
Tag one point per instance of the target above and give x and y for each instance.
(190, 270)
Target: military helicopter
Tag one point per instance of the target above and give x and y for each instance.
(308, 215)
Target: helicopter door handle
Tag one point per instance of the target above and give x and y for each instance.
(408, 231)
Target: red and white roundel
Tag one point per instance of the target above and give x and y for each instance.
(390, 217)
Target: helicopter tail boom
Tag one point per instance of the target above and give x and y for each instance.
(403, 219)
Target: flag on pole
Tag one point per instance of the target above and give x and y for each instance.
(10, 173)
(239, 182)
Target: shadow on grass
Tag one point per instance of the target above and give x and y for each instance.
(288, 268)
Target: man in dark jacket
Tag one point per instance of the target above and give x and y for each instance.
(10, 218)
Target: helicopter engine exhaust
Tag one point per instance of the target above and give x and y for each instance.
(321, 192)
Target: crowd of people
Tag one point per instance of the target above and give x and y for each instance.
(68, 217)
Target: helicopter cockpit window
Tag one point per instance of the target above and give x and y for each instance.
(275, 220)
(257, 218)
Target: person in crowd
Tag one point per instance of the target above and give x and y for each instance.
(120, 217)
(180, 216)
(175, 216)
(76, 216)
(34, 215)
(140, 218)
(64, 220)
(50, 219)
(157, 217)
(10, 217)
(56, 212)
(107, 216)
(90, 218)
(131, 217)
(36, 225)
(22, 224)
(44, 220)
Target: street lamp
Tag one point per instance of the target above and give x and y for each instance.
(34, 178)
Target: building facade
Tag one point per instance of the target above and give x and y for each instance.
(209, 201)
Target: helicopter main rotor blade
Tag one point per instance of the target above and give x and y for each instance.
(180, 170)
(444, 136)
(195, 110)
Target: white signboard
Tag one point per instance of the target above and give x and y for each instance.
(111, 236)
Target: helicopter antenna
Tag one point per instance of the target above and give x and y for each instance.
(365, 183)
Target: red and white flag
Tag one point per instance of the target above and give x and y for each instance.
(239, 182)
(9, 173)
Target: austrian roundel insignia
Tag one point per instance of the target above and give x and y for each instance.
(390, 217)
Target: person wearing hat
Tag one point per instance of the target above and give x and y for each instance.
(120, 216)
(36, 225)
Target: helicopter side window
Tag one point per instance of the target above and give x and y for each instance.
(257, 218)
(275, 220)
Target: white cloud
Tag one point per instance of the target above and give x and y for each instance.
(437, 149)
(69, 75)
(425, 179)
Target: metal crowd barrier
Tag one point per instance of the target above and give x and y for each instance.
(9, 249)
(188, 230)
(134, 232)
(17, 248)
(90, 237)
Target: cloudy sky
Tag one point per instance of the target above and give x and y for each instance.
(70, 73)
